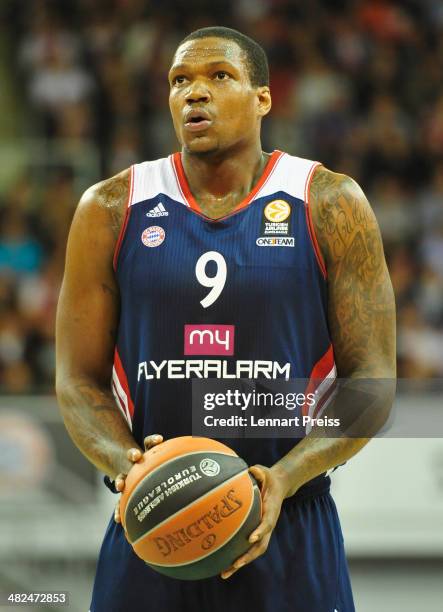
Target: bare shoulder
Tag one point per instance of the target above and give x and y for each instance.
(342, 216)
(107, 200)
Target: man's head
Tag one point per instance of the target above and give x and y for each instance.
(219, 90)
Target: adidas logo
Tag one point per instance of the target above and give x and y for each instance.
(158, 211)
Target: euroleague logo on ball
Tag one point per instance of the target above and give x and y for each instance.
(277, 211)
(209, 467)
(153, 236)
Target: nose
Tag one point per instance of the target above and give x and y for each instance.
(197, 92)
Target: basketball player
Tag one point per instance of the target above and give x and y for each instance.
(284, 250)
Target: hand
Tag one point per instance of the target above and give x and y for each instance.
(134, 455)
(273, 491)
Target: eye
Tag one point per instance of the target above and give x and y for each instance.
(179, 79)
(221, 75)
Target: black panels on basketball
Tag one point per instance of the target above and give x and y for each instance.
(174, 485)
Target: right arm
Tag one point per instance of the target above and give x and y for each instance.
(87, 321)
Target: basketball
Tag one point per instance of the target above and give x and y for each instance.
(189, 506)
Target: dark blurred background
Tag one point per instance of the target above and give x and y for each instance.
(357, 85)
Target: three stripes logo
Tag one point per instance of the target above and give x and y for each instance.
(158, 211)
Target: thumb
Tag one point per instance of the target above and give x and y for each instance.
(259, 474)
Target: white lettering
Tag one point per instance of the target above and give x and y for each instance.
(263, 368)
(246, 399)
(286, 370)
(159, 368)
(207, 368)
(175, 368)
(194, 366)
(143, 369)
(219, 340)
(201, 334)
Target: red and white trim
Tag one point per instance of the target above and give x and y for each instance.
(182, 183)
(321, 383)
(126, 219)
(120, 389)
(191, 202)
(309, 222)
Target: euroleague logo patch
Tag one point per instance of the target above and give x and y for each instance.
(276, 225)
(153, 236)
(277, 211)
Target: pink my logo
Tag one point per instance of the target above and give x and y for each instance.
(209, 339)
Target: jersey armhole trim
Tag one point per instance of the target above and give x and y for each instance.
(122, 232)
(310, 224)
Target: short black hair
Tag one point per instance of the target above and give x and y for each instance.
(256, 59)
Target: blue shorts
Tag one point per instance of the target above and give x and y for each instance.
(303, 570)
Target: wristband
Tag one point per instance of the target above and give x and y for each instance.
(110, 484)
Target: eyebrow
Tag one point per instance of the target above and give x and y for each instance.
(183, 66)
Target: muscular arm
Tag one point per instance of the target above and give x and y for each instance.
(87, 319)
(361, 313)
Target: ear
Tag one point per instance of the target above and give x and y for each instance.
(264, 101)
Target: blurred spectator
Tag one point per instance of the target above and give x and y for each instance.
(431, 200)
(420, 346)
(59, 83)
(395, 213)
(433, 128)
(432, 249)
(20, 252)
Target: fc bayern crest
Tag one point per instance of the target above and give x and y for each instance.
(153, 236)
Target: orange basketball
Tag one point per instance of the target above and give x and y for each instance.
(189, 506)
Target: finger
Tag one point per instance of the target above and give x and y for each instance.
(265, 527)
(255, 551)
(152, 440)
(228, 573)
(117, 518)
(252, 554)
(120, 482)
(134, 454)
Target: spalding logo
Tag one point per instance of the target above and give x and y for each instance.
(208, 541)
(209, 467)
(170, 542)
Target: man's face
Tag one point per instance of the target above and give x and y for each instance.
(213, 104)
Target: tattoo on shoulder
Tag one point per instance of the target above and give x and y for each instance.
(339, 214)
(112, 194)
(361, 303)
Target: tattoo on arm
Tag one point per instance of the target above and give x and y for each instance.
(112, 194)
(96, 425)
(361, 315)
(361, 301)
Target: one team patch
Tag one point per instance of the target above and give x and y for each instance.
(153, 236)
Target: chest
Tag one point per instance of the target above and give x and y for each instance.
(259, 257)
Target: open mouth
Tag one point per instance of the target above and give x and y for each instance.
(196, 122)
(197, 119)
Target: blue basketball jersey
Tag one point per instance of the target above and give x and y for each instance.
(239, 297)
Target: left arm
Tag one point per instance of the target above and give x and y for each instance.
(361, 316)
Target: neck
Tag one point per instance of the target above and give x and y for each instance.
(230, 175)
